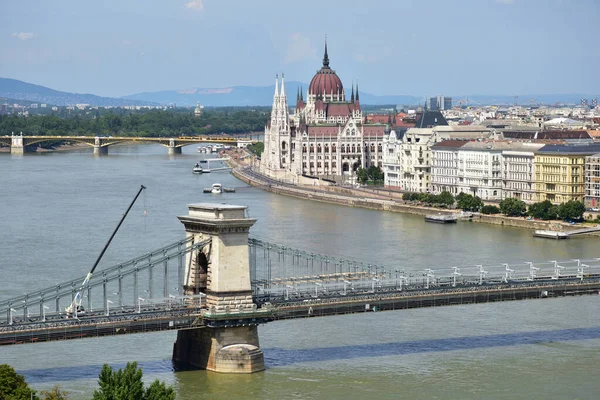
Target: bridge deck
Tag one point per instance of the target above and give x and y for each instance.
(190, 317)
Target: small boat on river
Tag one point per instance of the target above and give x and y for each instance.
(197, 169)
(217, 188)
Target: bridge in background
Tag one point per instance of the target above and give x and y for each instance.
(20, 144)
(219, 280)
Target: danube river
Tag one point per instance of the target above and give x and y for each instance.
(58, 209)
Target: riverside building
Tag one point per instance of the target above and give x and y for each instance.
(560, 172)
(407, 163)
(492, 170)
(325, 138)
(592, 181)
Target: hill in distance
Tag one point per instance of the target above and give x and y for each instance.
(247, 96)
(28, 92)
(250, 96)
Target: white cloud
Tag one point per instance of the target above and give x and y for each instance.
(299, 48)
(22, 35)
(196, 5)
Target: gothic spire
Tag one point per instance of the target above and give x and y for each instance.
(352, 95)
(282, 93)
(325, 57)
(277, 85)
(357, 91)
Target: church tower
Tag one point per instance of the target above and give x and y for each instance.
(275, 160)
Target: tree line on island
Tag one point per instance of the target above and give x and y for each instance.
(572, 210)
(124, 384)
(141, 123)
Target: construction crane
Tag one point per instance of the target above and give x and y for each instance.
(75, 307)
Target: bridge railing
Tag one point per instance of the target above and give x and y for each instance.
(283, 272)
(135, 277)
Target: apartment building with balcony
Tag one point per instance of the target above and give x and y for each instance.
(592, 181)
(407, 160)
(560, 172)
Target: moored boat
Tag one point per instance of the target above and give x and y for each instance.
(441, 218)
(216, 188)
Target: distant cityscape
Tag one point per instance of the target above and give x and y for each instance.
(532, 153)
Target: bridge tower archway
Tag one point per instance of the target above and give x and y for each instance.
(228, 341)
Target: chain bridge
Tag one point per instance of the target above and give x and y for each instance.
(20, 144)
(218, 284)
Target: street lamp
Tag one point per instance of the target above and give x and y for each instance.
(107, 307)
(44, 308)
(140, 304)
(10, 311)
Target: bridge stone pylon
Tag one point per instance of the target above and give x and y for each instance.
(229, 340)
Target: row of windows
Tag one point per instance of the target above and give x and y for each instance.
(343, 149)
(558, 160)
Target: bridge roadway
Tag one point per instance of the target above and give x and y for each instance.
(101, 143)
(169, 316)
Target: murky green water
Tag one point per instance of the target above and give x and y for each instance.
(58, 210)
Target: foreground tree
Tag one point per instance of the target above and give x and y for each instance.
(512, 207)
(13, 385)
(56, 393)
(126, 384)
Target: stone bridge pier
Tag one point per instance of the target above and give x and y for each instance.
(16, 145)
(99, 148)
(221, 271)
(173, 148)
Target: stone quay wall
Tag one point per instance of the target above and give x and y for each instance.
(388, 201)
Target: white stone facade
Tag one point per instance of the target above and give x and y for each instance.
(492, 170)
(408, 159)
(325, 138)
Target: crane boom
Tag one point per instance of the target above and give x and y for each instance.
(75, 305)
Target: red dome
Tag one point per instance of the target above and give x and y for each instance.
(325, 80)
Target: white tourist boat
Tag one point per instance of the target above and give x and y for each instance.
(217, 188)
(197, 169)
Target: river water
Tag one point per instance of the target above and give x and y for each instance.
(58, 209)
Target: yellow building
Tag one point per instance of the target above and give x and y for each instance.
(560, 172)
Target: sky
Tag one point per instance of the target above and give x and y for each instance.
(391, 47)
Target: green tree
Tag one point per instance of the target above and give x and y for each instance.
(512, 207)
(13, 385)
(544, 210)
(490, 209)
(572, 210)
(56, 393)
(362, 175)
(126, 384)
(445, 198)
(468, 202)
(257, 148)
(375, 174)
